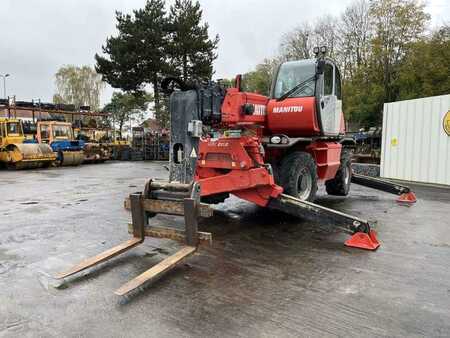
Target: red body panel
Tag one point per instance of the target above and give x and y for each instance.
(232, 108)
(326, 155)
(229, 153)
(328, 158)
(235, 165)
(293, 117)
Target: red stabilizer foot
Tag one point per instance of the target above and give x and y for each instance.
(363, 241)
(408, 197)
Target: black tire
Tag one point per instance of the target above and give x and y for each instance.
(298, 175)
(47, 164)
(215, 199)
(59, 159)
(340, 184)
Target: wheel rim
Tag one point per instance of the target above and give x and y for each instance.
(304, 184)
(346, 175)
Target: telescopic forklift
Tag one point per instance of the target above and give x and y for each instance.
(271, 151)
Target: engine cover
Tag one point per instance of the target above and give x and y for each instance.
(294, 117)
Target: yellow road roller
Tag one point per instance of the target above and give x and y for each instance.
(59, 136)
(15, 154)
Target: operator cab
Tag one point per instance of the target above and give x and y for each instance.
(14, 128)
(10, 131)
(292, 73)
(306, 99)
(54, 131)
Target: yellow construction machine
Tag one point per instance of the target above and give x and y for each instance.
(16, 154)
(59, 136)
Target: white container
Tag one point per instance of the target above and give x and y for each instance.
(416, 146)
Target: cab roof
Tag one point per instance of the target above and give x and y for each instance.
(6, 119)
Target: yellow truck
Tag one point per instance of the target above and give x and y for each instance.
(16, 154)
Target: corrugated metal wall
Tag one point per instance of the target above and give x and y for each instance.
(415, 145)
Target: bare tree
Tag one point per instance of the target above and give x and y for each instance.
(326, 34)
(355, 32)
(298, 43)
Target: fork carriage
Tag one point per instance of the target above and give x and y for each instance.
(158, 198)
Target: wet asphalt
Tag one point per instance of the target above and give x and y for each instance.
(266, 275)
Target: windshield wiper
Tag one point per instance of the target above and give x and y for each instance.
(296, 88)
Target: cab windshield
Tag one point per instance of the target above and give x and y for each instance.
(64, 132)
(293, 73)
(13, 128)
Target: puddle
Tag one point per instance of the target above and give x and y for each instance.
(161, 251)
(35, 209)
(7, 262)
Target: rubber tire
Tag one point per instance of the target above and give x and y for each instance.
(47, 164)
(337, 185)
(289, 171)
(215, 199)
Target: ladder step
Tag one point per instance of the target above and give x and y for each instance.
(156, 271)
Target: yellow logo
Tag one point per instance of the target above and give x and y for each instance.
(446, 123)
(394, 142)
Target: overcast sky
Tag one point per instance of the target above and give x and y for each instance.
(39, 36)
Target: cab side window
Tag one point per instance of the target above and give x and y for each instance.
(338, 84)
(44, 132)
(328, 80)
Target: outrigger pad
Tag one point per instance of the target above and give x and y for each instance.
(408, 197)
(363, 240)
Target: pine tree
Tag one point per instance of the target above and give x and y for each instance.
(137, 56)
(152, 44)
(190, 49)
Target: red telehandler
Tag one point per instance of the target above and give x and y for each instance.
(271, 151)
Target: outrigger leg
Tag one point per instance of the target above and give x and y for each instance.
(363, 236)
(404, 192)
(171, 199)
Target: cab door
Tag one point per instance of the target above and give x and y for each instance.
(44, 133)
(330, 101)
(2, 134)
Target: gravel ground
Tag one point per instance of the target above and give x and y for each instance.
(367, 169)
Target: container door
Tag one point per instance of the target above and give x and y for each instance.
(330, 104)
